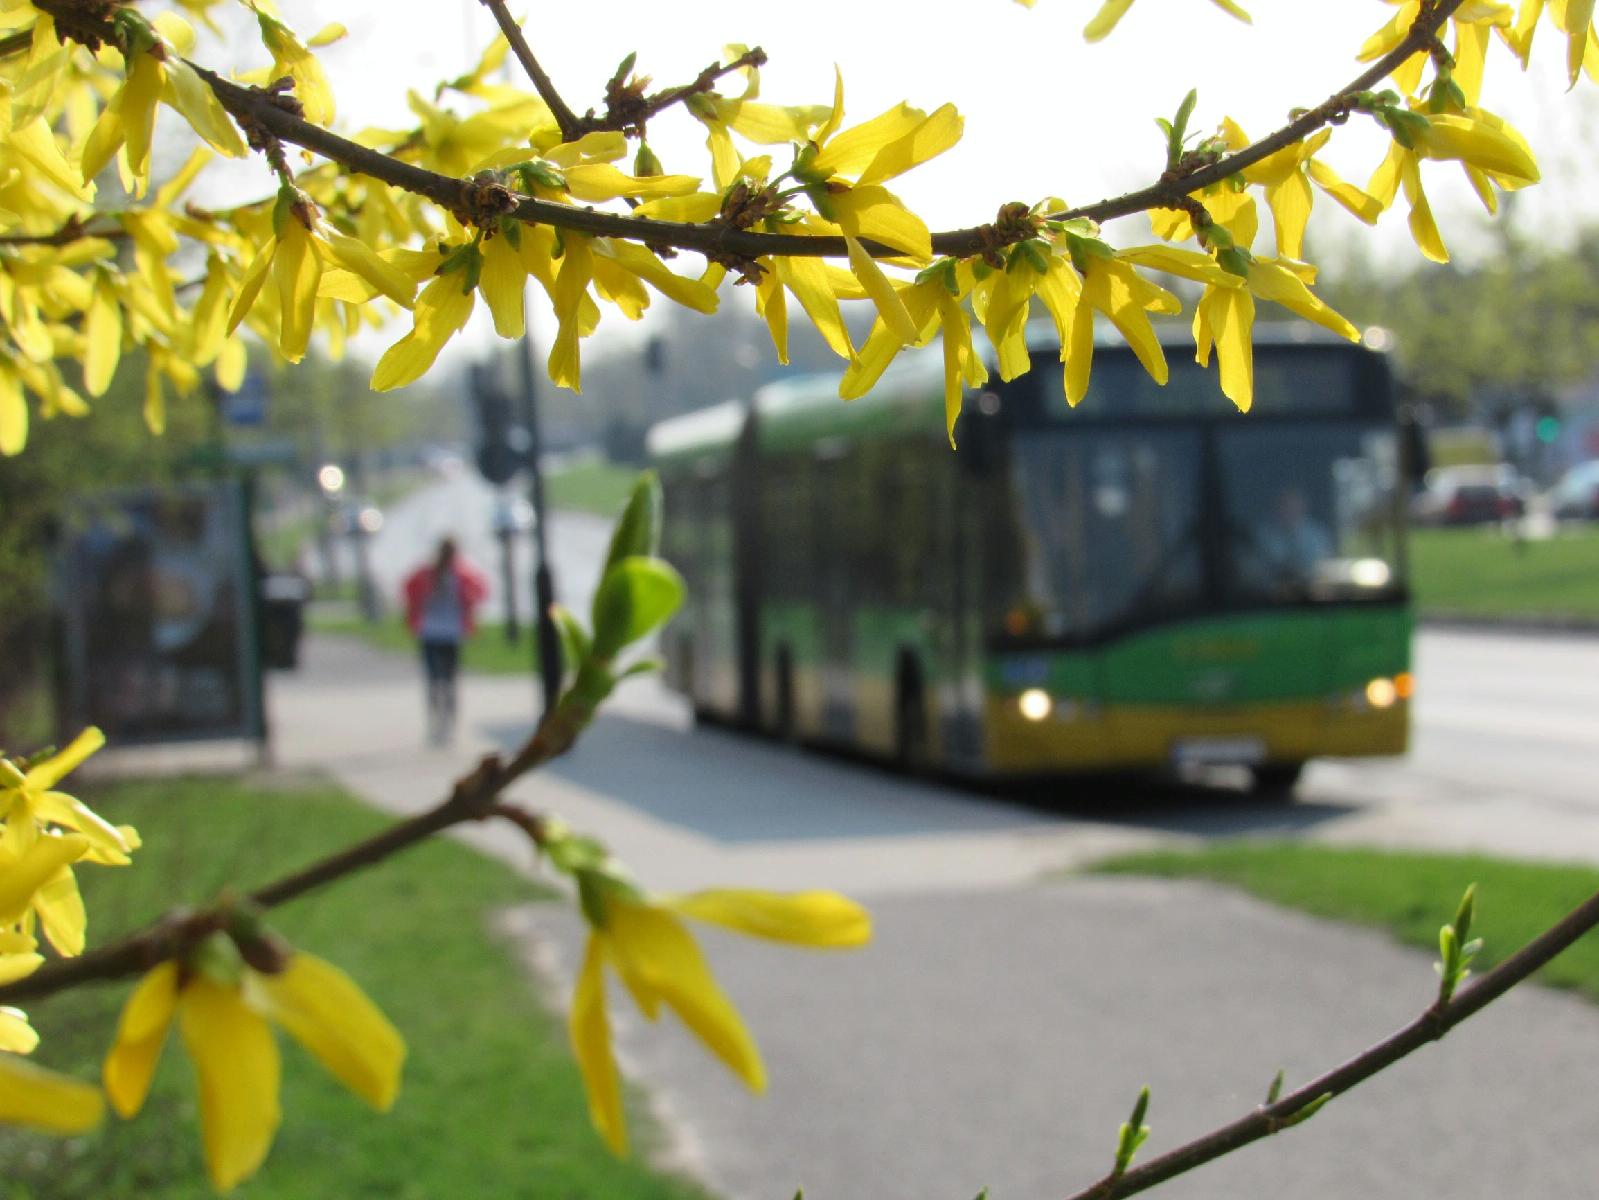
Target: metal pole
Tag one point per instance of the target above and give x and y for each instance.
(513, 624)
(548, 642)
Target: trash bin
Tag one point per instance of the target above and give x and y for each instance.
(283, 600)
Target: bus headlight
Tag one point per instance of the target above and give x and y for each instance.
(1035, 704)
(1381, 693)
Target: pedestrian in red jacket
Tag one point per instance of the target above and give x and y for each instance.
(440, 602)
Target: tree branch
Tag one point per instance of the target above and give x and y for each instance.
(722, 240)
(571, 126)
(473, 798)
(1428, 1027)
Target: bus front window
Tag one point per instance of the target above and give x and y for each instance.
(1309, 513)
(1106, 531)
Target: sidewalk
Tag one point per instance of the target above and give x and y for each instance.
(998, 1029)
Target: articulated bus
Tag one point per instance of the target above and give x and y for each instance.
(1150, 581)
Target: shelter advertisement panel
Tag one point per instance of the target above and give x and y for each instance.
(158, 616)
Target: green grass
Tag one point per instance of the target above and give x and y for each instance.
(1409, 895)
(486, 651)
(1480, 572)
(491, 1103)
(592, 486)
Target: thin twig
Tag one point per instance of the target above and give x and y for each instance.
(1428, 1027)
(703, 82)
(571, 126)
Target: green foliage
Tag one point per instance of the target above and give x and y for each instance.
(491, 1104)
(1522, 322)
(1403, 893)
(1483, 573)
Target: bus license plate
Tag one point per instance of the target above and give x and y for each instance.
(1228, 751)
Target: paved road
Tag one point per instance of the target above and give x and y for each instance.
(998, 1028)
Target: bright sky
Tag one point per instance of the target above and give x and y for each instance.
(1046, 113)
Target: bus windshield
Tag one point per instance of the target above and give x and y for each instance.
(1114, 524)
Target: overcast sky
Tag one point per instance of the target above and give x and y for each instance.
(1046, 114)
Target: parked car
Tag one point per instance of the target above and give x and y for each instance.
(1576, 494)
(1474, 495)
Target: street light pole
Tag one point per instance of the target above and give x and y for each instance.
(547, 643)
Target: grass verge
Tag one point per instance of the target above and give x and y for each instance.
(486, 652)
(1480, 572)
(591, 485)
(491, 1104)
(1409, 895)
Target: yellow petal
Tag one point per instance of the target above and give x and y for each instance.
(1225, 317)
(1422, 226)
(1291, 202)
(322, 1008)
(360, 259)
(1278, 283)
(102, 336)
(1480, 145)
(1105, 19)
(590, 1030)
(1367, 208)
(931, 137)
(807, 279)
(250, 287)
(297, 270)
(571, 287)
(691, 293)
(199, 106)
(882, 292)
(61, 912)
(43, 1100)
(873, 212)
(701, 206)
(441, 310)
(805, 918)
(772, 303)
(596, 182)
(661, 952)
(23, 878)
(13, 414)
(141, 1033)
(140, 95)
(503, 283)
(16, 1035)
(236, 1060)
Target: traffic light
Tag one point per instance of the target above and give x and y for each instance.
(498, 454)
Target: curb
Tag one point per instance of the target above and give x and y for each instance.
(1532, 624)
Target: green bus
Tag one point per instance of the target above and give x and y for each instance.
(1152, 580)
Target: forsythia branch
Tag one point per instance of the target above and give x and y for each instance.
(720, 240)
(475, 797)
(571, 125)
(1429, 1027)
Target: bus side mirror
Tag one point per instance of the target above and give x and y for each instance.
(1416, 458)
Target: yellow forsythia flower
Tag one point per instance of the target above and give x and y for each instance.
(45, 831)
(39, 1099)
(224, 1016)
(649, 948)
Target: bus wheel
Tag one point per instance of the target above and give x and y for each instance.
(1277, 779)
(910, 720)
(784, 716)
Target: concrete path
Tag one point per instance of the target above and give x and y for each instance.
(998, 1029)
